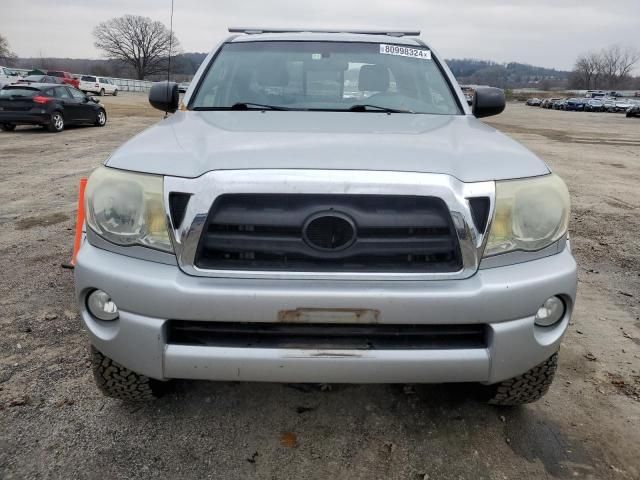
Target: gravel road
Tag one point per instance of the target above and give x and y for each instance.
(55, 424)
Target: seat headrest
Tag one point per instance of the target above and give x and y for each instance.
(373, 78)
(272, 75)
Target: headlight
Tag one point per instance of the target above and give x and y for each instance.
(529, 214)
(127, 208)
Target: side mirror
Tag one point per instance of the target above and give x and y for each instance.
(488, 101)
(164, 96)
(94, 99)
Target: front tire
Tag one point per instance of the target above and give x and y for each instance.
(101, 118)
(57, 123)
(115, 93)
(528, 387)
(117, 381)
(7, 127)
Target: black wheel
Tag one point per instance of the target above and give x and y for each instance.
(117, 381)
(101, 92)
(528, 387)
(57, 122)
(115, 92)
(101, 118)
(7, 127)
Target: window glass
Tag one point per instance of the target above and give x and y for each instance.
(77, 94)
(10, 91)
(88, 78)
(334, 76)
(61, 92)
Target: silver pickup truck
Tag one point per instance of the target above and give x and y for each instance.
(325, 207)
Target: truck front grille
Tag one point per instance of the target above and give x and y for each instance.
(326, 335)
(329, 233)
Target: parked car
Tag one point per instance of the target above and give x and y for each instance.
(622, 105)
(548, 103)
(575, 104)
(240, 248)
(634, 111)
(609, 105)
(560, 104)
(65, 76)
(39, 79)
(183, 87)
(7, 76)
(99, 85)
(595, 93)
(593, 105)
(534, 102)
(52, 106)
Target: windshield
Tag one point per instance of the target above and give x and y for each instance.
(331, 76)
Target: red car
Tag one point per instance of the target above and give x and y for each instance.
(66, 78)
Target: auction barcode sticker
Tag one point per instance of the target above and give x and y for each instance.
(402, 51)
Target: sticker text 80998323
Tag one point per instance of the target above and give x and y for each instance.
(404, 51)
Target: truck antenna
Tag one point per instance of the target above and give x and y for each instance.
(170, 45)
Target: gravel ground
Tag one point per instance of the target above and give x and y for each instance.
(55, 424)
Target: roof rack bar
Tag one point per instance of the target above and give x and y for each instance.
(391, 33)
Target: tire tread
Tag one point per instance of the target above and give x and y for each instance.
(117, 381)
(528, 387)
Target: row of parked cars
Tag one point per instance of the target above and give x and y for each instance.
(85, 83)
(599, 104)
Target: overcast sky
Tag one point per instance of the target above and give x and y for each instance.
(542, 32)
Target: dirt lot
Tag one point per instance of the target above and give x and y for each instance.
(55, 424)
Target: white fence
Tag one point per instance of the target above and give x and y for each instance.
(129, 85)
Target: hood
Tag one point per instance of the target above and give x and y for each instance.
(189, 144)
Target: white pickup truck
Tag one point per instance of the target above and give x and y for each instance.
(99, 85)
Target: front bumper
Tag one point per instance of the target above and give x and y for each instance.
(148, 294)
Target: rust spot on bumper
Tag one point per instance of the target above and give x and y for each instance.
(329, 315)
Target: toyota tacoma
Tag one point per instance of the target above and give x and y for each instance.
(324, 207)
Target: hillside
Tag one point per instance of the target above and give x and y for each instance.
(467, 71)
(507, 75)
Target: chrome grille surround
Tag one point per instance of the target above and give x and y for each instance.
(206, 188)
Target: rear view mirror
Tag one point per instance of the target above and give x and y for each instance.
(488, 101)
(164, 96)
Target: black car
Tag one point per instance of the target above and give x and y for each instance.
(634, 111)
(575, 104)
(48, 105)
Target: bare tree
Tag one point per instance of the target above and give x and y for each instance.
(143, 43)
(609, 68)
(618, 62)
(6, 54)
(588, 69)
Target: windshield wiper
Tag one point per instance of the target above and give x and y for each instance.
(242, 106)
(256, 106)
(362, 107)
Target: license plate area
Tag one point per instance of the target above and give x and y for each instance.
(329, 315)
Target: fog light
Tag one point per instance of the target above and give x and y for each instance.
(550, 312)
(101, 306)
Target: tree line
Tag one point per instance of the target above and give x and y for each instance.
(139, 47)
(609, 68)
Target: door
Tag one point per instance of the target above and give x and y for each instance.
(69, 105)
(86, 108)
(106, 84)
